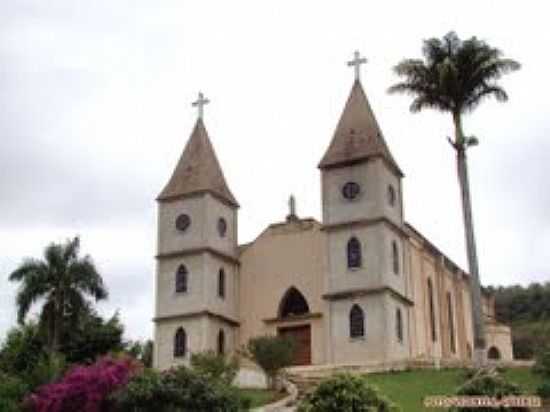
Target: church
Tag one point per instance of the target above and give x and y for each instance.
(359, 287)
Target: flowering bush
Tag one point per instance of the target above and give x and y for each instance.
(84, 388)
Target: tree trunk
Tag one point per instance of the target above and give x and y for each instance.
(475, 284)
(58, 320)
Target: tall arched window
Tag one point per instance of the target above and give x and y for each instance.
(356, 322)
(181, 279)
(399, 325)
(354, 253)
(431, 308)
(451, 323)
(221, 342)
(293, 303)
(180, 343)
(221, 283)
(395, 257)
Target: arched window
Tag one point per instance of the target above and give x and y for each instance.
(181, 279)
(356, 322)
(391, 195)
(180, 343)
(395, 257)
(493, 353)
(354, 253)
(399, 325)
(221, 342)
(293, 304)
(221, 283)
(431, 308)
(451, 323)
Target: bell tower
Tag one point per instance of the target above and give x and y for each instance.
(197, 266)
(363, 219)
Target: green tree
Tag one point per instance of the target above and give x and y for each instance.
(63, 280)
(454, 77)
(91, 337)
(271, 353)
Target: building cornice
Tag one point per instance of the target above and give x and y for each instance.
(293, 319)
(359, 292)
(198, 314)
(197, 193)
(197, 251)
(364, 223)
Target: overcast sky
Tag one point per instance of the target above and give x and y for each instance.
(95, 101)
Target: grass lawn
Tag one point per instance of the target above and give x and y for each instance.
(408, 388)
(261, 397)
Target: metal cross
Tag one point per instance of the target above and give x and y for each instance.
(357, 62)
(200, 103)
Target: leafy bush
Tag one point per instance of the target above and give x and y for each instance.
(489, 383)
(12, 391)
(544, 390)
(346, 393)
(542, 363)
(215, 367)
(21, 350)
(271, 353)
(176, 389)
(84, 387)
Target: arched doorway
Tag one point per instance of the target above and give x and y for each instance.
(493, 353)
(293, 305)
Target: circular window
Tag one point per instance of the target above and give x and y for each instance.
(391, 195)
(183, 222)
(351, 190)
(222, 226)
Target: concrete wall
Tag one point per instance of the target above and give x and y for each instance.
(285, 255)
(373, 177)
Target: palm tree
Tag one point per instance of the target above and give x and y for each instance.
(62, 280)
(455, 77)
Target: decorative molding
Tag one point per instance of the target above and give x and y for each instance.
(197, 193)
(358, 292)
(297, 318)
(199, 250)
(192, 315)
(367, 222)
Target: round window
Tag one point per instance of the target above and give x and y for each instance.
(182, 222)
(351, 190)
(222, 226)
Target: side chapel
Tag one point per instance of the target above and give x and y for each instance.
(361, 286)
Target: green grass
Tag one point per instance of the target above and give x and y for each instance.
(260, 397)
(409, 388)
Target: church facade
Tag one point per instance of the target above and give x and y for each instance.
(361, 286)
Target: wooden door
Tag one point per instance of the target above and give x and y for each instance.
(301, 335)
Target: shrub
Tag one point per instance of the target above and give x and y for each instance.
(489, 383)
(542, 363)
(176, 389)
(84, 387)
(271, 353)
(12, 391)
(21, 350)
(215, 367)
(346, 393)
(544, 390)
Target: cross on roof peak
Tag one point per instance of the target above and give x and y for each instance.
(200, 103)
(356, 63)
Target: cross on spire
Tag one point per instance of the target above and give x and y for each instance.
(356, 63)
(200, 103)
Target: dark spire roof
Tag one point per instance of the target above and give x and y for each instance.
(358, 136)
(198, 170)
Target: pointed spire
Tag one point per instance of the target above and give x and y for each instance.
(358, 136)
(198, 170)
